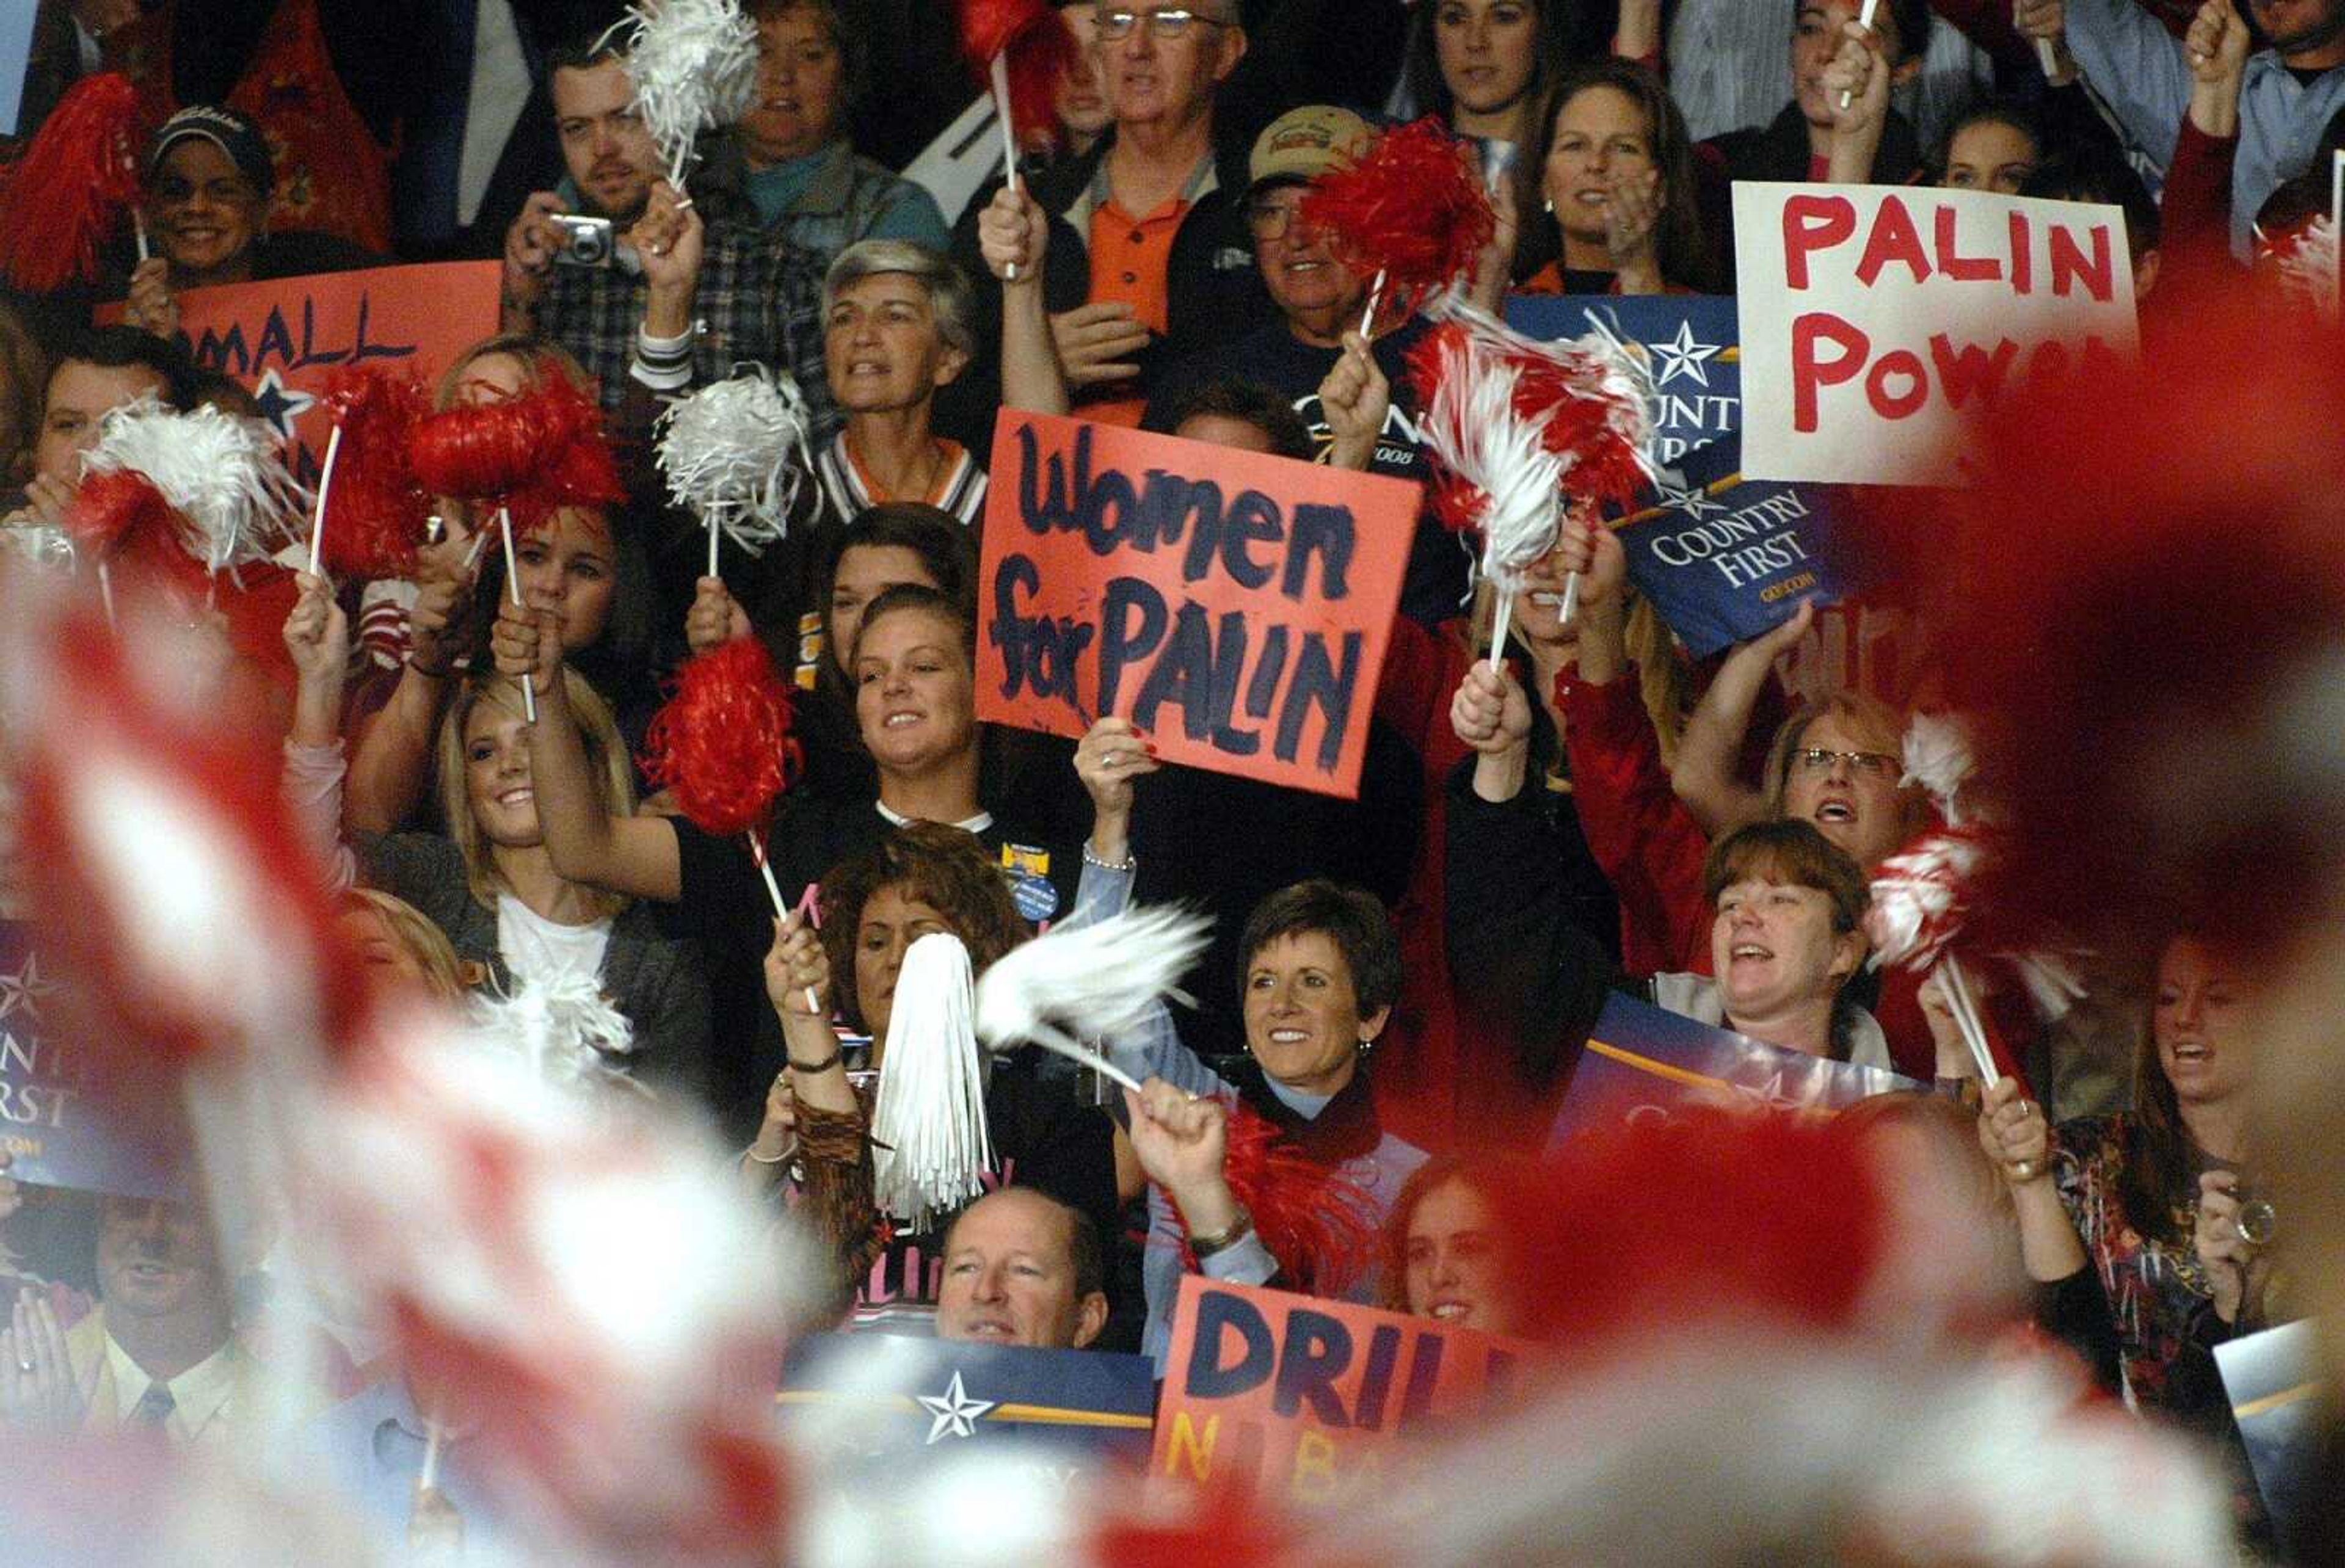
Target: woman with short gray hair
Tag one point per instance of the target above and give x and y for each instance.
(897, 328)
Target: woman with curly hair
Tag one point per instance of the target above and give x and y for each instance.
(915, 881)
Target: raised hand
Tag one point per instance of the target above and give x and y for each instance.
(1012, 235)
(1355, 399)
(1490, 711)
(716, 617)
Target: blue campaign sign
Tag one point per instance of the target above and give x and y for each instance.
(60, 1124)
(882, 1399)
(1691, 342)
(1643, 1060)
(2279, 1398)
(1724, 558)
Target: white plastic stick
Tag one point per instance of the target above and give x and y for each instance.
(1863, 20)
(512, 587)
(999, 71)
(138, 232)
(1376, 295)
(774, 891)
(713, 533)
(2047, 59)
(1960, 1003)
(325, 485)
(1506, 595)
(1570, 598)
(106, 592)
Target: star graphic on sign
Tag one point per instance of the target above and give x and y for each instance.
(280, 405)
(1684, 355)
(1689, 498)
(956, 1412)
(24, 989)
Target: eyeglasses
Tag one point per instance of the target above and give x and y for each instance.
(1117, 23)
(1873, 764)
(1270, 219)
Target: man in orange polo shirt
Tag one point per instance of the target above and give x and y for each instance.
(1149, 258)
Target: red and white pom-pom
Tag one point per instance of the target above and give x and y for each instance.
(223, 476)
(152, 846)
(1498, 477)
(1413, 209)
(534, 454)
(1040, 51)
(1591, 397)
(599, 1308)
(2308, 266)
(733, 453)
(1921, 897)
(722, 741)
(65, 196)
(376, 509)
(1319, 1223)
(693, 64)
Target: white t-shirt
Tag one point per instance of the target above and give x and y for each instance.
(535, 948)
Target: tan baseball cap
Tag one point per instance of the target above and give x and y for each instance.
(1305, 143)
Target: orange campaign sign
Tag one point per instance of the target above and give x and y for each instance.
(1307, 1398)
(1233, 606)
(282, 338)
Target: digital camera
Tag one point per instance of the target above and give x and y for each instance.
(585, 242)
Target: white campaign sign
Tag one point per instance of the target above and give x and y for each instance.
(1877, 319)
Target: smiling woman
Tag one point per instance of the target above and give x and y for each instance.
(204, 186)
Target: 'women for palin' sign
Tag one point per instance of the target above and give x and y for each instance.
(1877, 319)
(1232, 606)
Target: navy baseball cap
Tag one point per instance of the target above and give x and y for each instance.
(226, 130)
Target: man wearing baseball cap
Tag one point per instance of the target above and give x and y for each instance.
(204, 186)
(1319, 302)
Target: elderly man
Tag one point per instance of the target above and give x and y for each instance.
(1022, 1268)
(158, 1355)
(662, 298)
(1148, 260)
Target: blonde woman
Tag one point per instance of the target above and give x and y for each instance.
(487, 881)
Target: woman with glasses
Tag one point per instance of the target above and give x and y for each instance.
(1835, 764)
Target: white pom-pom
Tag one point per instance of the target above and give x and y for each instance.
(2052, 982)
(222, 474)
(928, 1140)
(695, 67)
(731, 451)
(562, 1026)
(2308, 268)
(1938, 757)
(1088, 982)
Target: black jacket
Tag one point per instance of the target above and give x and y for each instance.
(1779, 152)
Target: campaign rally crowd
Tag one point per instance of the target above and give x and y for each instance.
(396, 1320)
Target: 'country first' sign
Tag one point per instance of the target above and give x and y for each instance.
(1233, 606)
(1876, 319)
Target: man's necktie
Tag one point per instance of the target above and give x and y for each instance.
(152, 1409)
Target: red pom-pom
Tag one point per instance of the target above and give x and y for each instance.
(376, 509)
(722, 743)
(532, 454)
(1413, 207)
(72, 186)
(1320, 1224)
(1041, 51)
(109, 507)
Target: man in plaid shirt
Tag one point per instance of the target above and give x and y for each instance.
(679, 304)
